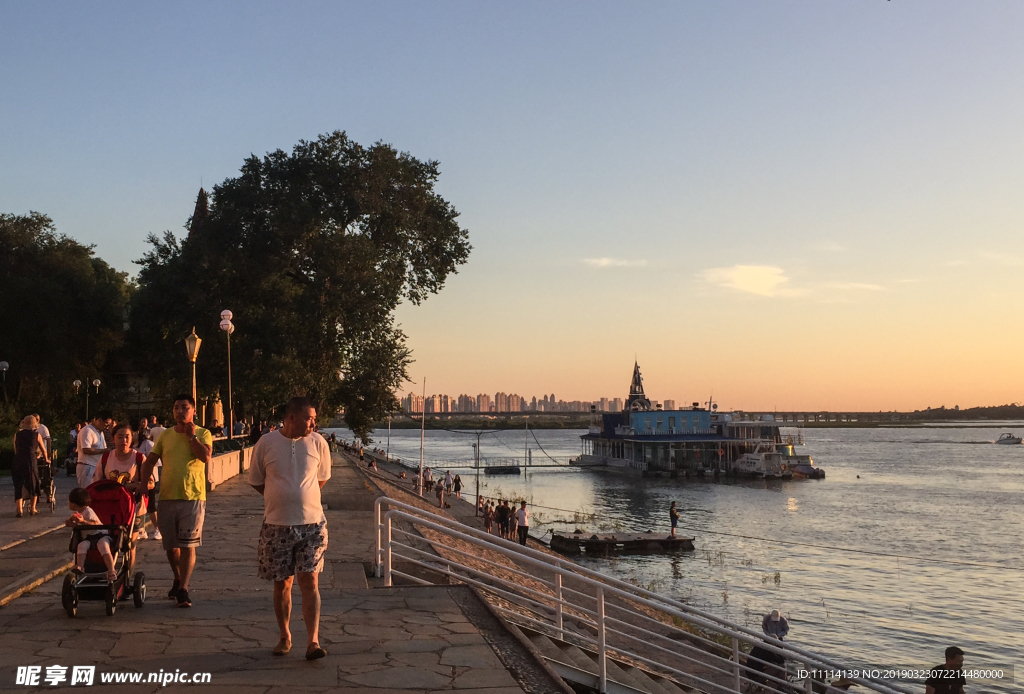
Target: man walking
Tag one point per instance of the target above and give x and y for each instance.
(185, 451)
(523, 523)
(289, 468)
(91, 447)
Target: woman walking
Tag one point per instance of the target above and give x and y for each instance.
(28, 449)
(457, 487)
(123, 460)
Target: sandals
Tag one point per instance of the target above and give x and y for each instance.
(314, 651)
(283, 646)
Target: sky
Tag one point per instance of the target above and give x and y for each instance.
(786, 205)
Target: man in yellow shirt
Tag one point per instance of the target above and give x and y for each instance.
(185, 451)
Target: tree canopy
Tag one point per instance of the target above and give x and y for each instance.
(62, 314)
(312, 251)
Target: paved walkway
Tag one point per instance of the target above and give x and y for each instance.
(409, 639)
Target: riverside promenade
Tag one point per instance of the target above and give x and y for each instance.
(383, 640)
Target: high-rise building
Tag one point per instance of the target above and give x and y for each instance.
(501, 402)
(467, 403)
(603, 406)
(412, 403)
(533, 404)
(445, 403)
(432, 404)
(515, 403)
(483, 402)
(669, 405)
(617, 405)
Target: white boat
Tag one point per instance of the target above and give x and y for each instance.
(1009, 439)
(768, 465)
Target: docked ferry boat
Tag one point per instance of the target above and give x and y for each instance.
(645, 440)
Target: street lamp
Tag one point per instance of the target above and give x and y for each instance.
(192, 343)
(3, 369)
(78, 384)
(228, 327)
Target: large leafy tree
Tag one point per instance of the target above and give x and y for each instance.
(61, 317)
(312, 251)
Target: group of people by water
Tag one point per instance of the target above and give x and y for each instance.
(511, 523)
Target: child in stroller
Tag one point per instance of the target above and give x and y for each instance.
(103, 544)
(79, 501)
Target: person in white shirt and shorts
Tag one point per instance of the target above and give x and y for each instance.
(289, 467)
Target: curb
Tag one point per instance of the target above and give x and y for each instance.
(18, 542)
(33, 581)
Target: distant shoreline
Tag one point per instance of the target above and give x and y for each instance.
(441, 422)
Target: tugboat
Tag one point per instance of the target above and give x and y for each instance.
(1009, 439)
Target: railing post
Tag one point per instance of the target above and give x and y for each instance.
(809, 682)
(387, 550)
(558, 597)
(736, 663)
(602, 662)
(377, 558)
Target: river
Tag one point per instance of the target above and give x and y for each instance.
(944, 498)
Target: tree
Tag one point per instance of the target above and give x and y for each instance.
(61, 317)
(312, 251)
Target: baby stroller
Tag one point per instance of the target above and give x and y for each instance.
(47, 486)
(112, 503)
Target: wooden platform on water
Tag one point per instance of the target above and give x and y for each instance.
(604, 544)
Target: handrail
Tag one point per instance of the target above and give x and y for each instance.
(604, 586)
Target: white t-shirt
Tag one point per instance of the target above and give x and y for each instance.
(73, 435)
(523, 517)
(291, 469)
(115, 465)
(44, 431)
(90, 437)
(89, 515)
(154, 432)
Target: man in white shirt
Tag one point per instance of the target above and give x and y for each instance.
(523, 523)
(154, 428)
(289, 467)
(91, 447)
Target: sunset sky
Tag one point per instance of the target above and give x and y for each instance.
(792, 205)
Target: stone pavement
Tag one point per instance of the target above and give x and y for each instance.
(408, 639)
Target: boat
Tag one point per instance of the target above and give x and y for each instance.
(1009, 439)
(604, 544)
(502, 470)
(768, 465)
(646, 440)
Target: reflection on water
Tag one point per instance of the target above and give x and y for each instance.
(912, 492)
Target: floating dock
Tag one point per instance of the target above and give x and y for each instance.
(502, 470)
(604, 544)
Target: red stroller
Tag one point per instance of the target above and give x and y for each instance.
(115, 506)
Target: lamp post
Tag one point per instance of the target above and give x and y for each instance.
(228, 327)
(78, 384)
(3, 369)
(192, 343)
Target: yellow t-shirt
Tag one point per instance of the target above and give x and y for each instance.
(183, 475)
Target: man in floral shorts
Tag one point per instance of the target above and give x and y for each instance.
(289, 467)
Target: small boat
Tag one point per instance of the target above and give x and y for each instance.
(769, 465)
(605, 544)
(1009, 439)
(502, 470)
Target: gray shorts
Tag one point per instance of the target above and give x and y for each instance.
(181, 523)
(285, 550)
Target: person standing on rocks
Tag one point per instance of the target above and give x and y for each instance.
(289, 468)
(185, 450)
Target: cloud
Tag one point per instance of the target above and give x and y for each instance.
(614, 262)
(830, 247)
(763, 280)
(854, 286)
(1002, 259)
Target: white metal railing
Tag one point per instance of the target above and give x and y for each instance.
(608, 616)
